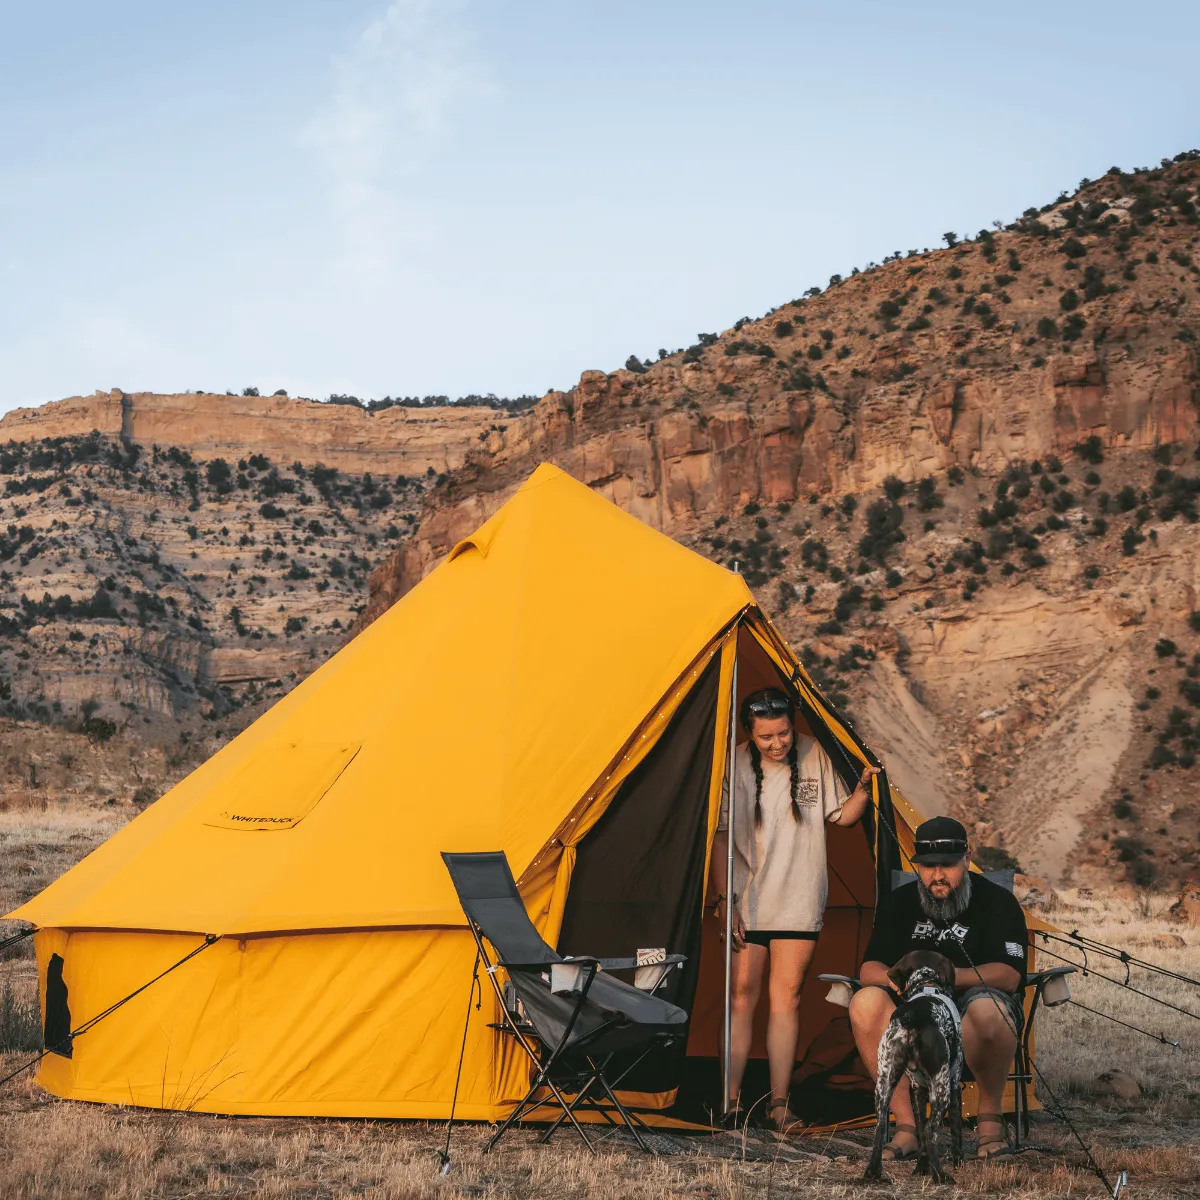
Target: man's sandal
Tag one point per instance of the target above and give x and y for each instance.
(898, 1153)
(996, 1145)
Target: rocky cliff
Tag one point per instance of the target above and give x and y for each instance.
(173, 598)
(964, 481)
(391, 441)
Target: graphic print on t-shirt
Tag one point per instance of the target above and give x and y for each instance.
(807, 791)
(926, 931)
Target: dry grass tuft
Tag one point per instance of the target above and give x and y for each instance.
(1076, 1046)
(20, 1021)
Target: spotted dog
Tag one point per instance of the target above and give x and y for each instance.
(923, 1040)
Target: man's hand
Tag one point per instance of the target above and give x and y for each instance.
(875, 974)
(1000, 976)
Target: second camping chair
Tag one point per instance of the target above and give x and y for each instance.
(568, 1014)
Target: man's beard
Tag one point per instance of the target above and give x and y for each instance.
(950, 909)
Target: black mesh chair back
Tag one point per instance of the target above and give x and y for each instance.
(488, 894)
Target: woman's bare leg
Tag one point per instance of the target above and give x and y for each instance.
(748, 966)
(790, 958)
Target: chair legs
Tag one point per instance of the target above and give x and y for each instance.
(528, 1103)
(584, 1096)
(612, 1096)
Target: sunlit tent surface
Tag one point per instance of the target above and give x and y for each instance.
(558, 689)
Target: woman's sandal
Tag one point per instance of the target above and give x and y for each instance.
(899, 1154)
(735, 1118)
(786, 1126)
(991, 1147)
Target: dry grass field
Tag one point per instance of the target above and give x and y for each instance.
(56, 1150)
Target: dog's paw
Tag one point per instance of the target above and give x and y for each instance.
(936, 1174)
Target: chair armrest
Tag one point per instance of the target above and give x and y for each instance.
(1036, 977)
(646, 976)
(843, 989)
(626, 964)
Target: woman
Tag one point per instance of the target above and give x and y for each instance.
(786, 790)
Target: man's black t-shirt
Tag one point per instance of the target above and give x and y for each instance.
(992, 930)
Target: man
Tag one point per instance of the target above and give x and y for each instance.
(980, 927)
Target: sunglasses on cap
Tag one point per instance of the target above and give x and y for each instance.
(769, 706)
(941, 846)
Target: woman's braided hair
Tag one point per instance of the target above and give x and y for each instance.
(776, 701)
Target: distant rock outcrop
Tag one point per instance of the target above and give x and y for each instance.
(399, 440)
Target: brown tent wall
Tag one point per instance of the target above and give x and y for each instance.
(639, 874)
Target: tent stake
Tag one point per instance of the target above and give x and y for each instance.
(729, 896)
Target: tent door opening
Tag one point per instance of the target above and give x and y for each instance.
(639, 882)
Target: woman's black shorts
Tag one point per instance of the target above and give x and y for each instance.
(764, 937)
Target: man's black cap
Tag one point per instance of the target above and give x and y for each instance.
(940, 841)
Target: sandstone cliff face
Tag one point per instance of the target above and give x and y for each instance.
(392, 441)
(1018, 700)
(684, 466)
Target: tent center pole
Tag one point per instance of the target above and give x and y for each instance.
(729, 896)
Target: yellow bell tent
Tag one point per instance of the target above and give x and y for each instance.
(559, 689)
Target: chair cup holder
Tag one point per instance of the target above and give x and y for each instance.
(647, 978)
(1057, 991)
(840, 994)
(566, 979)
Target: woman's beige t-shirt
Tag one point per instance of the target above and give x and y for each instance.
(779, 867)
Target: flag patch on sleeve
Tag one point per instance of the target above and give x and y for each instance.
(1014, 950)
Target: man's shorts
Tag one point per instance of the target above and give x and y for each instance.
(1012, 1005)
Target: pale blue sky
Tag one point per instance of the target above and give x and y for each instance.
(447, 196)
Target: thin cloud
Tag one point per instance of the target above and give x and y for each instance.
(398, 91)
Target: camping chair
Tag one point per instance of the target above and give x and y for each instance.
(568, 1014)
(1050, 989)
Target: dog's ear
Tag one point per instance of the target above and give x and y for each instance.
(945, 972)
(902, 970)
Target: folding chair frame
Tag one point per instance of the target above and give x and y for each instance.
(582, 1097)
(1022, 1075)
(544, 1064)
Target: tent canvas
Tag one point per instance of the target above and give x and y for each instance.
(559, 689)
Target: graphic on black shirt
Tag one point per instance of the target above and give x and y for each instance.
(991, 930)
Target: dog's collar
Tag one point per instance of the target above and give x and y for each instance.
(939, 995)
